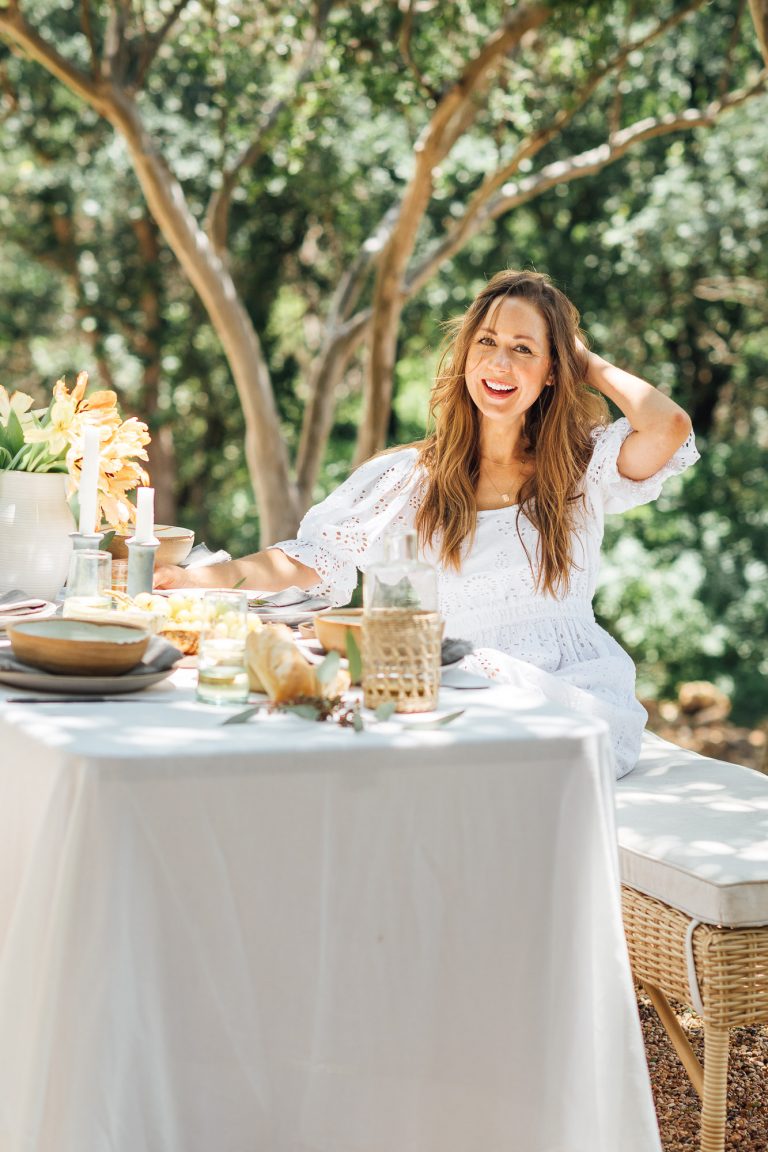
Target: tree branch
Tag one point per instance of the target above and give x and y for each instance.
(404, 44)
(725, 75)
(115, 42)
(453, 115)
(575, 168)
(87, 27)
(547, 132)
(153, 40)
(15, 30)
(216, 222)
(759, 10)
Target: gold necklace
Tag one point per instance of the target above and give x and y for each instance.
(504, 495)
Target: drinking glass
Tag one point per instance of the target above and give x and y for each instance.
(90, 580)
(222, 673)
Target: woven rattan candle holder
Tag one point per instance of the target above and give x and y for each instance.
(401, 658)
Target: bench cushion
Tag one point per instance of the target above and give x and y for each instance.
(693, 832)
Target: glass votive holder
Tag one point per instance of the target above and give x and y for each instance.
(90, 580)
(222, 672)
(119, 575)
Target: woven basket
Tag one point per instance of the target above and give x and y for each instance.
(187, 640)
(401, 659)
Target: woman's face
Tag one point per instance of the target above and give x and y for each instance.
(508, 362)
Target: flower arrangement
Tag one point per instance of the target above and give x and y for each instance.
(52, 440)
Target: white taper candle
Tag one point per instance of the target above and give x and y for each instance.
(89, 480)
(145, 516)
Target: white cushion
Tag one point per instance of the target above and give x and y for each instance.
(693, 832)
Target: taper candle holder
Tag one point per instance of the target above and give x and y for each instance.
(141, 565)
(83, 540)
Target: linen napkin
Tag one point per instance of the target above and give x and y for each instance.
(18, 603)
(159, 657)
(453, 650)
(289, 598)
(201, 556)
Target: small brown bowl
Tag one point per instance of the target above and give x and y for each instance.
(331, 628)
(175, 544)
(78, 647)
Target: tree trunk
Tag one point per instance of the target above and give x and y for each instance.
(759, 10)
(161, 450)
(264, 445)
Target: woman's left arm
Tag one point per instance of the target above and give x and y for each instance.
(659, 426)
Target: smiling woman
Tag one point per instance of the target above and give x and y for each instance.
(508, 494)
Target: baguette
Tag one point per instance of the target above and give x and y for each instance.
(277, 667)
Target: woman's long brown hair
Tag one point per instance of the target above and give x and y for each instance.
(557, 435)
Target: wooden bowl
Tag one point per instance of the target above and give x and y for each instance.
(78, 647)
(175, 544)
(331, 628)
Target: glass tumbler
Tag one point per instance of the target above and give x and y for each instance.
(89, 581)
(222, 672)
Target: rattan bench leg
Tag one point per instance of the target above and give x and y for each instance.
(678, 1037)
(716, 1039)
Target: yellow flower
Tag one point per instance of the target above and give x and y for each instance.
(54, 441)
(18, 403)
(57, 432)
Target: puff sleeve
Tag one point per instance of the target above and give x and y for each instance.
(616, 493)
(345, 531)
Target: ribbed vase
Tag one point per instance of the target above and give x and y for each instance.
(35, 523)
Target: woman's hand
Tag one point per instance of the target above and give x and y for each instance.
(171, 576)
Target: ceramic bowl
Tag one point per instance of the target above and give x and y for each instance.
(175, 544)
(78, 647)
(331, 628)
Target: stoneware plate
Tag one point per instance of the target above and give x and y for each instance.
(83, 685)
(78, 647)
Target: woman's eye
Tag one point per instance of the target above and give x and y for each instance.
(487, 341)
(523, 348)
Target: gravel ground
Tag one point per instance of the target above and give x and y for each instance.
(677, 1105)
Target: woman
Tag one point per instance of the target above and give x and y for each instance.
(508, 495)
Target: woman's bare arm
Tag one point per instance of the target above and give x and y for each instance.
(267, 571)
(659, 425)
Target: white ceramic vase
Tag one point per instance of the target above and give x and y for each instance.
(35, 527)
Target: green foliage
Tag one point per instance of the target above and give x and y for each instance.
(663, 252)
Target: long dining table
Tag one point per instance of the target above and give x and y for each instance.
(287, 936)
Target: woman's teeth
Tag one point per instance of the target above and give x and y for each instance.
(495, 386)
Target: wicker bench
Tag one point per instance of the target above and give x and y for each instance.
(693, 845)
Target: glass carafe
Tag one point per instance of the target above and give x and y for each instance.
(402, 629)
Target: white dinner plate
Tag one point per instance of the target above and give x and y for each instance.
(37, 681)
(7, 618)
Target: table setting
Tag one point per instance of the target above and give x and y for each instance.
(276, 875)
(298, 927)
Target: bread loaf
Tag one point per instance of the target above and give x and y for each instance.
(277, 667)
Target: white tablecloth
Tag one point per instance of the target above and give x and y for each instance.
(288, 937)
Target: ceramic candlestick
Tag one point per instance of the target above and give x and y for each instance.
(141, 565)
(83, 540)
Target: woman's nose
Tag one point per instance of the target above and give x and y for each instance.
(503, 357)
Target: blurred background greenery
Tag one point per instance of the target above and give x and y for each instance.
(662, 251)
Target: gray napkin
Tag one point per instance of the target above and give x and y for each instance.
(453, 650)
(201, 556)
(20, 602)
(289, 598)
(159, 657)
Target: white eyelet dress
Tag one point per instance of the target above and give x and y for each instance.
(520, 636)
